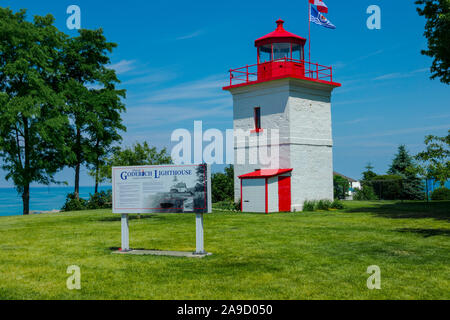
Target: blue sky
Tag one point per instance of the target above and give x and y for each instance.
(173, 57)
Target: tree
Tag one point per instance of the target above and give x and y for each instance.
(366, 193)
(32, 123)
(403, 165)
(437, 31)
(104, 129)
(368, 174)
(136, 155)
(222, 184)
(436, 158)
(341, 187)
(94, 113)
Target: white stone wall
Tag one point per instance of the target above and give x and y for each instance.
(301, 110)
(272, 192)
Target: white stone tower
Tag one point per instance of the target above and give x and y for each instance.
(285, 92)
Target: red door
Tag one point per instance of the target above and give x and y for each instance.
(284, 194)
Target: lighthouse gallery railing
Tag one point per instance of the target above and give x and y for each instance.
(297, 68)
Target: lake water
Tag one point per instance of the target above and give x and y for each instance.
(53, 198)
(41, 198)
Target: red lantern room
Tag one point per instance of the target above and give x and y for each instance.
(280, 54)
(279, 45)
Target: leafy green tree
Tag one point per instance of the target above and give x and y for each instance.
(32, 123)
(437, 31)
(435, 159)
(94, 113)
(136, 155)
(223, 185)
(369, 173)
(441, 193)
(104, 128)
(341, 187)
(403, 165)
(366, 193)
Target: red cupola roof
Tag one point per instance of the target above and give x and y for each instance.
(278, 36)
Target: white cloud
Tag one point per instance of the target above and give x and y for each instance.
(201, 99)
(397, 132)
(191, 35)
(399, 75)
(123, 66)
(152, 76)
(144, 117)
(354, 121)
(207, 88)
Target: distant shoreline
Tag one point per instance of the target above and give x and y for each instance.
(56, 186)
(44, 199)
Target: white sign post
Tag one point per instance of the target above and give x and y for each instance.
(162, 189)
(125, 233)
(199, 234)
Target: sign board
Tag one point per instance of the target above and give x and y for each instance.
(162, 189)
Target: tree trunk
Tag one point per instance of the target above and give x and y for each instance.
(96, 179)
(26, 199)
(78, 165)
(97, 164)
(26, 187)
(77, 181)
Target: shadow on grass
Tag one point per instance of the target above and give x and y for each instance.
(426, 233)
(132, 217)
(117, 249)
(439, 210)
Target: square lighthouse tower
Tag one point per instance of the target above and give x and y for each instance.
(282, 108)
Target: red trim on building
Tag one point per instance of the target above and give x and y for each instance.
(330, 83)
(279, 35)
(257, 118)
(264, 173)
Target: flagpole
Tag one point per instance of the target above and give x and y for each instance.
(309, 37)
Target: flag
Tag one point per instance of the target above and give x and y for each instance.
(320, 19)
(321, 6)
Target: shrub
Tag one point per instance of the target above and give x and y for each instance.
(225, 205)
(323, 205)
(388, 187)
(309, 205)
(100, 200)
(365, 193)
(337, 205)
(442, 193)
(237, 205)
(74, 204)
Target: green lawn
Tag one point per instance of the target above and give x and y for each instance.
(320, 255)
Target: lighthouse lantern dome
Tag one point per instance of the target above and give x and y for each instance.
(280, 44)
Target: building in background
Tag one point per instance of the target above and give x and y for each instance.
(352, 185)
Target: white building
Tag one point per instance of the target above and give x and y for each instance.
(284, 92)
(353, 185)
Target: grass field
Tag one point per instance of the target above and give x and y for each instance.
(315, 255)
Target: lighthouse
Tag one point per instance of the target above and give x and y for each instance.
(284, 94)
